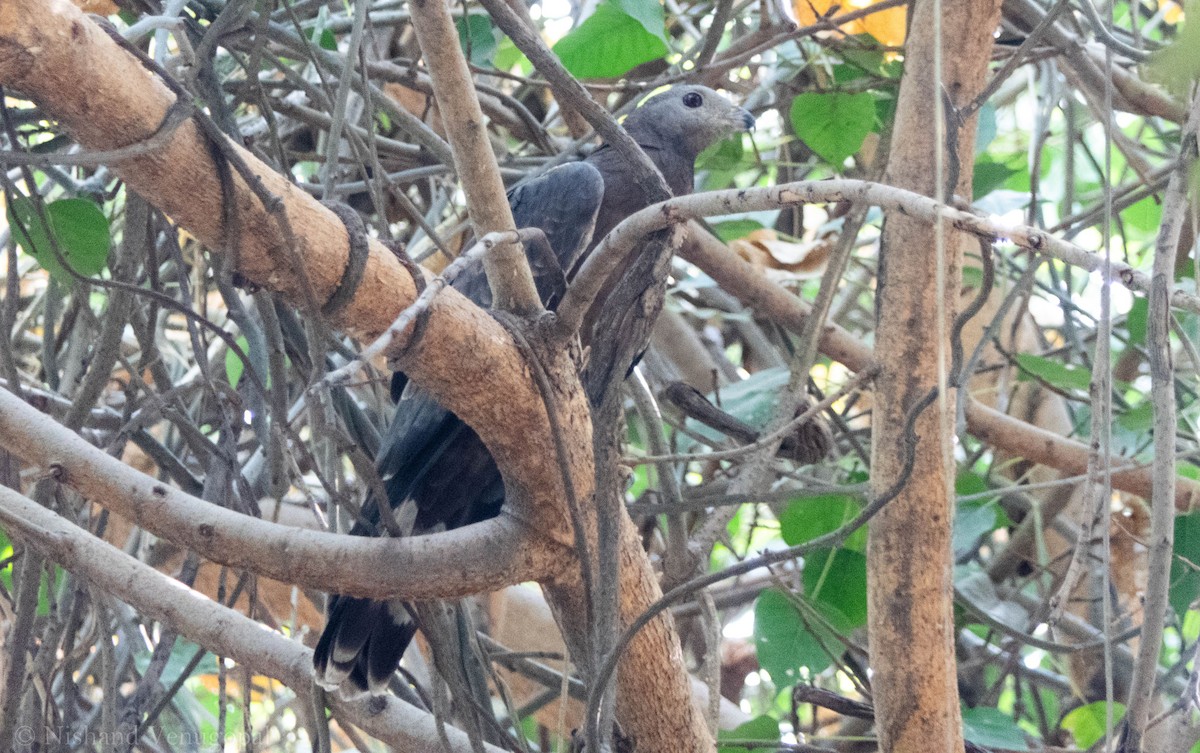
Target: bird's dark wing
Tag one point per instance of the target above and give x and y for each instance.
(563, 204)
(430, 457)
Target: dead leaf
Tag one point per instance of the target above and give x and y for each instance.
(780, 259)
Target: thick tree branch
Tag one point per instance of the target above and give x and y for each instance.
(507, 269)
(217, 628)
(484, 557)
(47, 47)
(464, 358)
(910, 559)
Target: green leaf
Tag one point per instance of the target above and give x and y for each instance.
(1137, 420)
(78, 226)
(1086, 723)
(234, 366)
(730, 230)
(985, 128)
(477, 35)
(864, 59)
(835, 582)
(1185, 580)
(609, 43)
(806, 518)
(719, 163)
(1055, 373)
(759, 729)
(988, 176)
(648, 13)
(992, 728)
(833, 124)
(182, 654)
(782, 642)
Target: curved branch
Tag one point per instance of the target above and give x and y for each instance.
(623, 239)
(483, 557)
(214, 626)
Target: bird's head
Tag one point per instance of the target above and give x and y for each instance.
(689, 116)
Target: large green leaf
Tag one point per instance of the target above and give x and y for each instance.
(609, 43)
(835, 582)
(806, 518)
(721, 162)
(1137, 319)
(731, 230)
(234, 366)
(989, 175)
(1178, 65)
(782, 641)
(972, 520)
(835, 586)
(1145, 215)
(833, 124)
(77, 225)
(648, 13)
(992, 728)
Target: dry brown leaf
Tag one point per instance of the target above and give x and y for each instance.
(780, 259)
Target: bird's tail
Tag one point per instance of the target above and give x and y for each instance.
(363, 641)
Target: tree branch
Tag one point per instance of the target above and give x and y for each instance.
(47, 48)
(624, 238)
(1162, 391)
(217, 628)
(572, 94)
(464, 561)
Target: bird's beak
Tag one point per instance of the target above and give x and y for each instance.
(747, 119)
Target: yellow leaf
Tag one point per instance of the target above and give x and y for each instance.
(886, 26)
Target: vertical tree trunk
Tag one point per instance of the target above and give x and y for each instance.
(910, 572)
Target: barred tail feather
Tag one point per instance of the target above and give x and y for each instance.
(363, 641)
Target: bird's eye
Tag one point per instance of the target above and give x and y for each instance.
(692, 99)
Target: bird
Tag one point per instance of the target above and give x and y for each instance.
(436, 472)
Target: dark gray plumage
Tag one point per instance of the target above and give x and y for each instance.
(430, 457)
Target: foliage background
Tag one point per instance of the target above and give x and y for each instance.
(179, 402)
